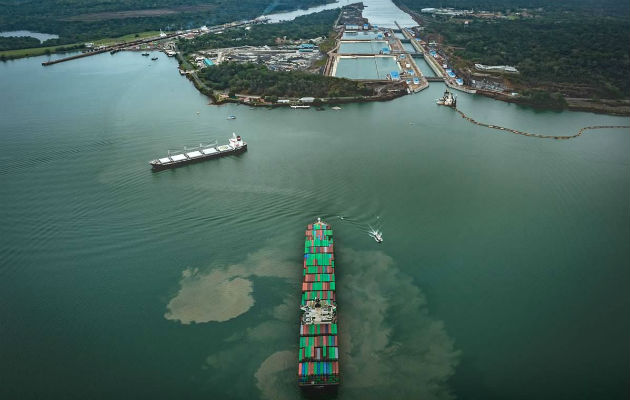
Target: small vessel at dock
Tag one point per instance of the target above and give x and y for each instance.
(202, 152)
(318, 357)
(298, 107)
(448, 99)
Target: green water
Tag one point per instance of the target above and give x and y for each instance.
(365, 47)
(366, 67)
(423, 66)
(503, 274)
(360, 35)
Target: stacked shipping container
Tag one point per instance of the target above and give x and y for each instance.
(318, 358)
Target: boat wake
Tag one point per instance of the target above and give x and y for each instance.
(375, 231)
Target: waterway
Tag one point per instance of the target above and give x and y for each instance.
(42, 37)
(503, 273)
(366, 67)
(423, 66)
(381, 13)
(365, 47)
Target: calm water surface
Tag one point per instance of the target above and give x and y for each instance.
(380, 13)
(503, 273)
(37, 35)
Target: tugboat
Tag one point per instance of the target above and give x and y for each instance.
(448, 99)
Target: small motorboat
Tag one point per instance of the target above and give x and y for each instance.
(145, 54)
(377, 236)
(154, 58)
(231, 117)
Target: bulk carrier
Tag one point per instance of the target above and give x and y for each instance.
(203, 152)
(318, 357)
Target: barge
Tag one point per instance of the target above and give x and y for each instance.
(202, 152)
(318, 357)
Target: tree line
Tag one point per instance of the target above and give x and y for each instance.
(64, 18)
(258, 80)
(586, 7)
(577, 47)
(591, 52)
(304, 27)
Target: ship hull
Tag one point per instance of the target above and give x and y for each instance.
(162, 167)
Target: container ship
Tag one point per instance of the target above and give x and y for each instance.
(202, 152)
(318, 357)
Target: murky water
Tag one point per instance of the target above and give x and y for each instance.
(503, 273)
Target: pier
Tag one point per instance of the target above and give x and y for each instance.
(114, 48)
(424, 81)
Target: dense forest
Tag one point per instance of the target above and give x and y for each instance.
(590, 7)
(258, 80)
(18, 42)
(84, 20)
(569, 52)
(304, 27)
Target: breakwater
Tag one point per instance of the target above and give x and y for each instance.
(538, 135)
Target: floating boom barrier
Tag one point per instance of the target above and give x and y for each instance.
(538, 135)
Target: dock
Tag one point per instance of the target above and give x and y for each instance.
(114, 48)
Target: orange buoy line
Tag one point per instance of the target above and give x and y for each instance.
(466, 117)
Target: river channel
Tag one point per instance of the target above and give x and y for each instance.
(383, 13)
(503, 274)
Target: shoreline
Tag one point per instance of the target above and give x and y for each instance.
(241, 98)
(602, 106)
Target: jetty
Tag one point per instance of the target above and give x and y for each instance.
(112, 49)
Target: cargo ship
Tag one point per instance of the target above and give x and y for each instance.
(202, 152)
(318, 356)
